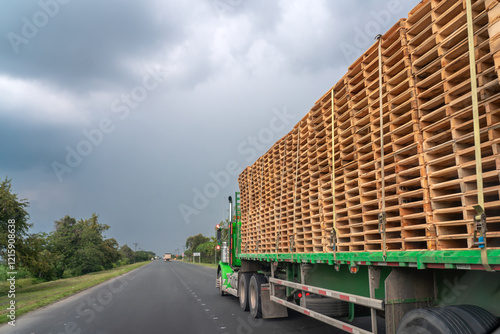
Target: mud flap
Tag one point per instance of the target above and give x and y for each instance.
(269, 309)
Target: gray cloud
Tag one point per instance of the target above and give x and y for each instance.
(224, 69)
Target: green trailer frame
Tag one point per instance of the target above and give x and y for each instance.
(445, 259)
(400, 280)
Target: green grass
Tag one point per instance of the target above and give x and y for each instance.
(31, 295)
(211, 265)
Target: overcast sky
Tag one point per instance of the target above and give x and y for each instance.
(145, 112)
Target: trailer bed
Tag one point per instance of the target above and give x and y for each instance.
(332, 175)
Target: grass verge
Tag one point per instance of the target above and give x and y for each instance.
(211, 265)
(31, 296)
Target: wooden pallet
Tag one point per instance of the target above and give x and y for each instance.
(288, 197)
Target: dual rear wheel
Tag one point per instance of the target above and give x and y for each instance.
(249, 293)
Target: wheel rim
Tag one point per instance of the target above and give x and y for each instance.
(253, 297)
(243, 291)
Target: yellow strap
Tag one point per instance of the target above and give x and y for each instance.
(382, 162)
(281, 196)
(333, 177)
(295, 190)
(259, 224)
(475, 116)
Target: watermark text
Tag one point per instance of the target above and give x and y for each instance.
(11, 265)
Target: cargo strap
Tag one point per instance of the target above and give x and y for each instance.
(251, 203)
(278, 235)
(477, 144)
(292, 238)
(381, 216)
(334, 232)
(479, 227)
(259, 225)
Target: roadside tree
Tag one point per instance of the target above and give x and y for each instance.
(12, 208)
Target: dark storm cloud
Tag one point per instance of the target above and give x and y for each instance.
(27, 145)
(86, 44)
(225, 66)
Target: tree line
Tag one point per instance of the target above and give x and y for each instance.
(206, 246)
(74, 247)
(203, 245)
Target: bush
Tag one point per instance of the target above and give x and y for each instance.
(122, 262)
(20, 273)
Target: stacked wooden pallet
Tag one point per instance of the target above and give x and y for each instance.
(442, 75)
(309, 193)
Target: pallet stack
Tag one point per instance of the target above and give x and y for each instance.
(442, 75)
(408, 203)
(308, 187)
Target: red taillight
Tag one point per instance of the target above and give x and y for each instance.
(300, 294)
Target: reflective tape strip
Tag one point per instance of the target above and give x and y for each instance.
(360, 300)
(321, 317)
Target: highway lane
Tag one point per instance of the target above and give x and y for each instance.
(171, 297)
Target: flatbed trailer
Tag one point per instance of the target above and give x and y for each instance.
(384, 200)
(350, 284)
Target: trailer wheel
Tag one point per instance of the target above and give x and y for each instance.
(243, 284)
(254, 295)
(328, 306)
(464, 319)
(477, 317)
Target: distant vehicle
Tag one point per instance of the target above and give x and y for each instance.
(167, 257)
(152, 259)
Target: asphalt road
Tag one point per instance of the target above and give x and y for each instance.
(161, 297)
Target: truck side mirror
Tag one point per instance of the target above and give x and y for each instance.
(219, 235)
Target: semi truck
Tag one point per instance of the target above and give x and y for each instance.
(384, 200)
(167, 257)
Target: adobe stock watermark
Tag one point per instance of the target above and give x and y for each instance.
(226, 6)
(249, 149)
(11, 272)
(248, 326)
(30, 26)
(364, 38)
(252, 325)
(94, 304)
(451, 291)
(122, 107)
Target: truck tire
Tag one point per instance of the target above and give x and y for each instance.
(254, 295)
(219, 278)
(431, 321)
(448, 320)
(243, 285)
(328, 306)
(477, 317)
